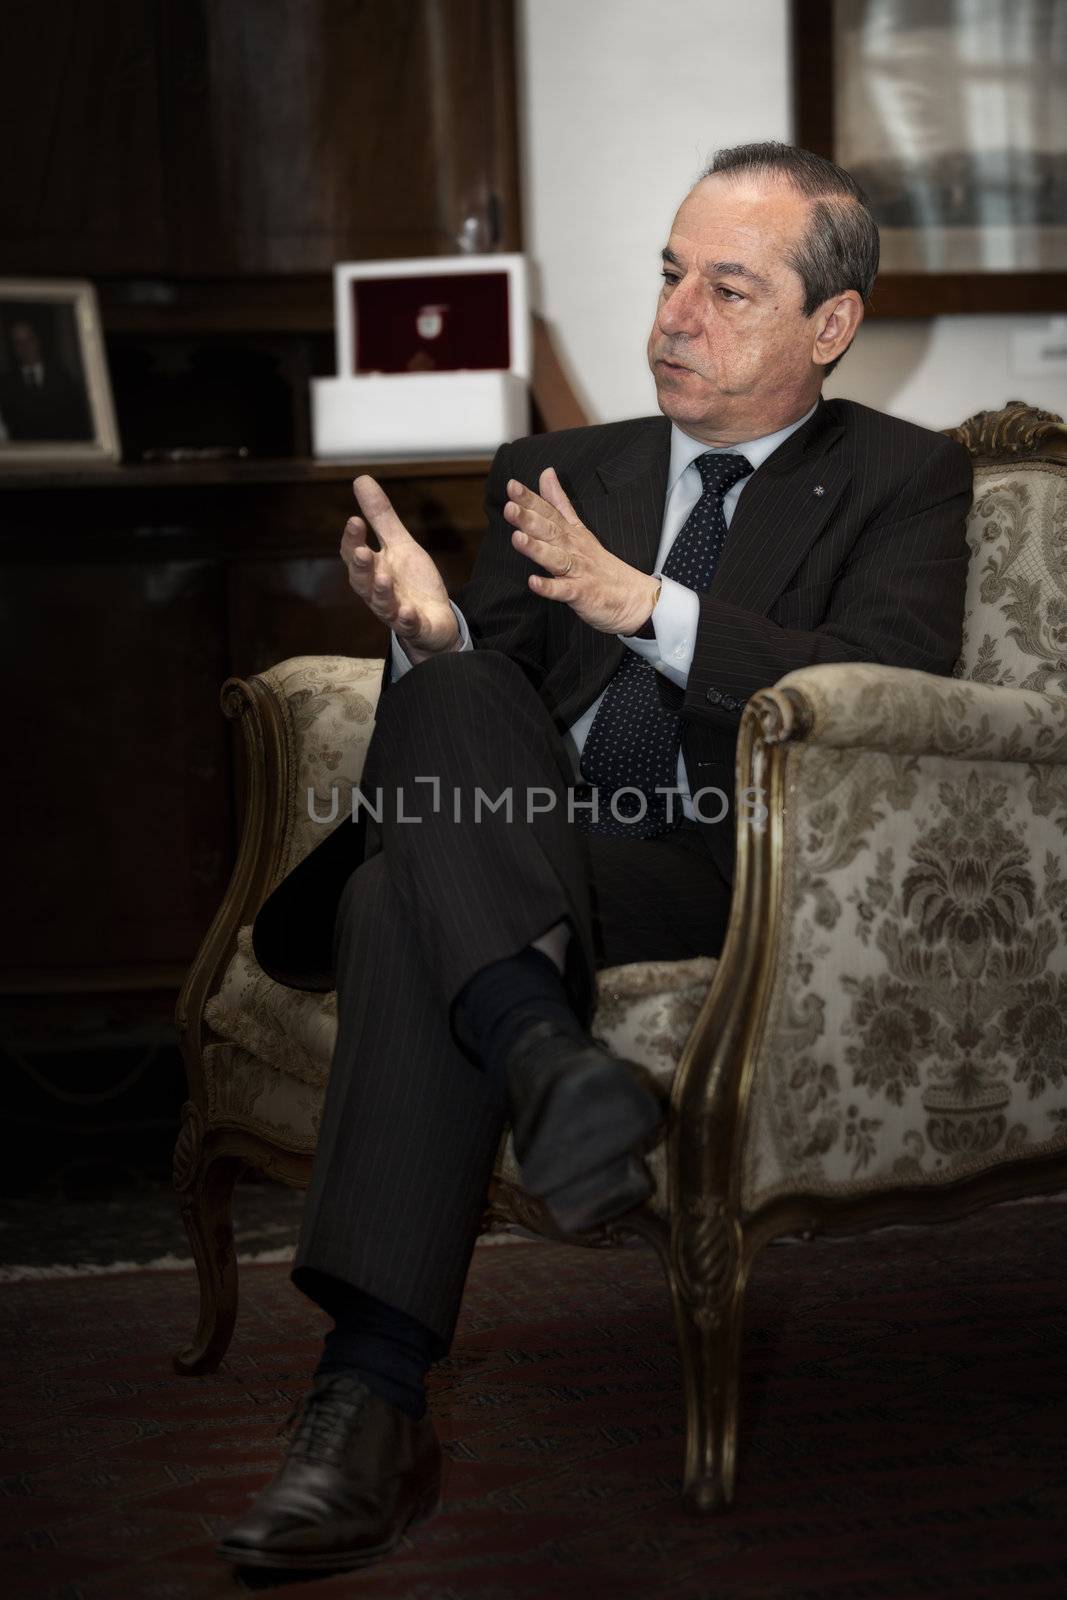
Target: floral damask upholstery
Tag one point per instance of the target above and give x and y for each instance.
(329, 704)
(1015, 633)
(884, 1035)
(918, 1026)
(271, 1073)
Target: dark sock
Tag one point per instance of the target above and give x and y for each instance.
(504, 998)
(385, 1347)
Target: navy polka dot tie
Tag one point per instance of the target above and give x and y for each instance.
(634, 741)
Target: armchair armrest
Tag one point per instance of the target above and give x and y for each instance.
(902, 712)
(320, 711)
(306, 724)
(887, 1013)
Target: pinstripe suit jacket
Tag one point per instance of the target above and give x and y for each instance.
(847, 544)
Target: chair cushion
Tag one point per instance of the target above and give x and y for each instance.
(291, 1030)
(268, 1067)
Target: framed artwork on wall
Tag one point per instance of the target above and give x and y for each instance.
(952, 114)
(55, 398)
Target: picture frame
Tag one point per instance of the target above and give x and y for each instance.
(433, 314)
(56, 408)
(955, 121)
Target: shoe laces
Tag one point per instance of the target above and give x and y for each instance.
(326, 1419)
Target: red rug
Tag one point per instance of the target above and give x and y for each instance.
(903, 1425)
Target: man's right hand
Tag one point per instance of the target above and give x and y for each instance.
(399, 582)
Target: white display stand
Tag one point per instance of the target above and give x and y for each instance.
(469, 412)
(418, 413)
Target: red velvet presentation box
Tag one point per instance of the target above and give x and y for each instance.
(433, 358)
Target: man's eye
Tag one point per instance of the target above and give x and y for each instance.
(668, 276)
(729, 294)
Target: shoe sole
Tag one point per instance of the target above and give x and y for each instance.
(583, 1159)
(328, 1561)
(602, 1196)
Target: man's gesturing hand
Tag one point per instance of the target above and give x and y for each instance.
(399, 582)
(604, 591)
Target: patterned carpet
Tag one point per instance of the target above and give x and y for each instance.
(44, 1235)
(904, 1411)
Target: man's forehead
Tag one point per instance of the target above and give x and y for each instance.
(763, 212)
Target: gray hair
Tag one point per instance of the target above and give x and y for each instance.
(839, 250)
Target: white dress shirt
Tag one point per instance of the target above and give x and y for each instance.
(677, 611)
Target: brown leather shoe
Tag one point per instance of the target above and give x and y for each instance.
(357, 1474)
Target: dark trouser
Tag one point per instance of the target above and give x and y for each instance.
(410, 1128)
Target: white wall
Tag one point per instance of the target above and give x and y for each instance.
(621, 102)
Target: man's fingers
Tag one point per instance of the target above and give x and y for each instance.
(535, 518)
(557, 559)
(552, 491)
(406, 621)
(383, 595)
(526, 505)
(359, 558)
(553, 588)
(377, 507)
(369, 577)
(353, 536)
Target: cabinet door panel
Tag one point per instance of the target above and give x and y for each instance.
(231, 137)
(345, 128)
(82, 180)
(296, 606)
(298, 602)
(122, 777)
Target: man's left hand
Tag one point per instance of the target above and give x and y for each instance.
(604, 591)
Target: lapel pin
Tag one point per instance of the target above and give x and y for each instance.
(818, 489)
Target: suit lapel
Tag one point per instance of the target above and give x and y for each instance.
(625, 496)
(781, 513)
(622, 503)
(778, 518)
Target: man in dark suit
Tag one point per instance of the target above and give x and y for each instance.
(39, 399)
(638, 582)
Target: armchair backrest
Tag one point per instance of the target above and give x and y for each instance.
(1015, 621)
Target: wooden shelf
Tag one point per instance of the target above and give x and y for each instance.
(207, 474)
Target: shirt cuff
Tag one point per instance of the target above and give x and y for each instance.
(675, 619)
(401, 662)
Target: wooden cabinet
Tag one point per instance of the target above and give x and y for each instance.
(205, 162)
(119, 760)
(129, 595)
(219, 138)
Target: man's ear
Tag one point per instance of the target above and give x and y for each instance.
(836, 324)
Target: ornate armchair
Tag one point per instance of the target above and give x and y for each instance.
(884, 1038)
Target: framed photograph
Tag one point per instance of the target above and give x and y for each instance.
(952, 114)
(55, 399)
(436, 314)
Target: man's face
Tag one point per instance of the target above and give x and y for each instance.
(730, 349)
(26, 344)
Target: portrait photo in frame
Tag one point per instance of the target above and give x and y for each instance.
(952, 114)
(55, 398)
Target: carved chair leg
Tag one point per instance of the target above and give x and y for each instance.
(707, 1291)
(205, 1184)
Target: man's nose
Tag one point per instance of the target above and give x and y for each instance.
(679, 313)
